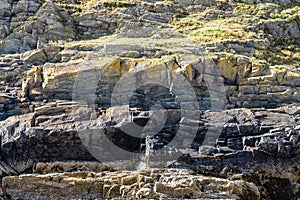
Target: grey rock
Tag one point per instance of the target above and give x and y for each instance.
(17, 42)
(292, 30)
(35, 57)
(22, 6)
(5, 8)
(280, 28)
(4, 30)
(254, 152)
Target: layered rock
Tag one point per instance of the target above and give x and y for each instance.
(157, 183)
(247, 84)
(218, 79)
(251, 142)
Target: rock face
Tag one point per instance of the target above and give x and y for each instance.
(204, 93)
(157, 183)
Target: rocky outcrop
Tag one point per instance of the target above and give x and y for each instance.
(204, 93)
(273, 131)
(250, 143)
(156, 183)
(32, 24)
(247, 84)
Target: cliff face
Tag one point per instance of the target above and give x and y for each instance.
(215, 83)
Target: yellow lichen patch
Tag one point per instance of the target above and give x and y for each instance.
(244, 70)
(296, 56)
(286, 52)
(277, 69)
(170, 62)
(214, 57)
(279, 72)
(292, 74)
(258, 68)
(113, 68)
(227, 69)
(127, 66)
(188, 71)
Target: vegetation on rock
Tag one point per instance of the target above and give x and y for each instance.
(253, 46)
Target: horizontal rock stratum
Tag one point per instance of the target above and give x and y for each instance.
(149, 99)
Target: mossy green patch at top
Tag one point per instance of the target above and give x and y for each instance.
(209, 25)
(269, 10)
(73, 7)
(89, 4)
(117, 4)
(291, 14)
(263, 10)
(215, 30)
(216, 34)
(165, 44)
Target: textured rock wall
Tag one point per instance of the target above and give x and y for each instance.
(65, 64)
(144, 184)
(246, 84)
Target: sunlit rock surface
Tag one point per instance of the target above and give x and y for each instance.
(220, 79)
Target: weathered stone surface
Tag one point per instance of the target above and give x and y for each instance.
(5, 8)
(279, 28)
(239, 129)
(35, 57)
(59, 167)
(51, 23)
(240, 59)
(172, 183)
(252, 79)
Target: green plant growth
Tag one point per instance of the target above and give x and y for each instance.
(264, 10)
(32, 17)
